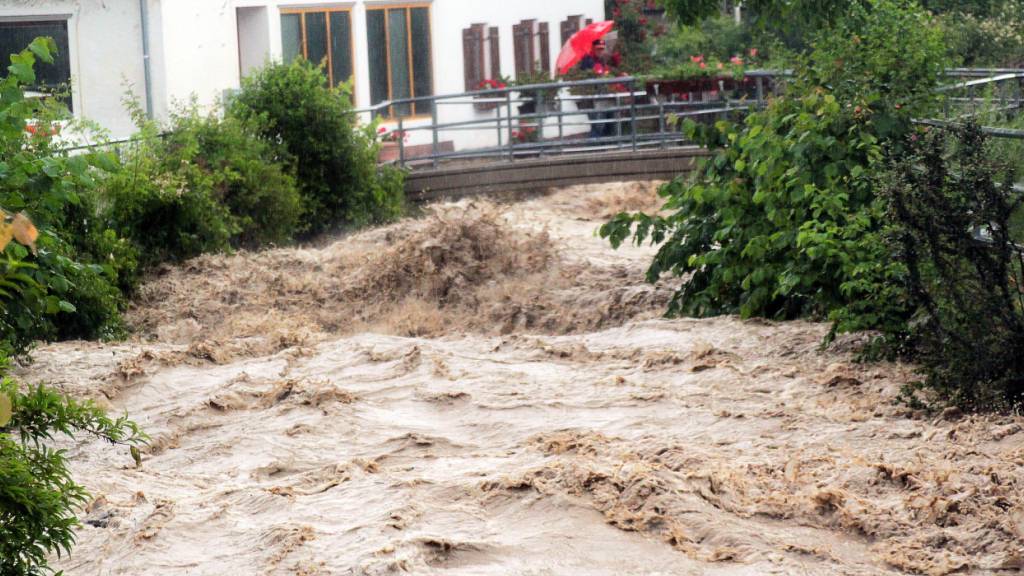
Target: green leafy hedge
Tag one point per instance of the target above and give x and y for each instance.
(65, 288)
(335, 158)
(949, 202)
(784, 221)
(206, 184)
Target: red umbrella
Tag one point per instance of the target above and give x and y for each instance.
(580, 44)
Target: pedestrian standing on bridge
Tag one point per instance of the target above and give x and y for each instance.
(597, 62)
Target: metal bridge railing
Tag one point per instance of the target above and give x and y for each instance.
(629, 113)
(567, 117)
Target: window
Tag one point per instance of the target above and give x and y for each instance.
(400, 57)
(320, 36)
(15, 36)
(481, 55)
(570, 26)
(531, 48)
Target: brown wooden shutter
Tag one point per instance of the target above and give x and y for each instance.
(572, 25)
(474, 67)
(545, 48)
(492, 37)
(468, 60)
(520, 39)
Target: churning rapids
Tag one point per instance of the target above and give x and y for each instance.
(489, 389)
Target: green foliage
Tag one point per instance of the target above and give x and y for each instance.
(717, 38)
(244, 173)
(59, 290)
(38, 496)
(888, 54)
(205, 185)
(769, 13)
(989, 35)
(784, 221)
(949, 206)
(336, 160)
(637, 32)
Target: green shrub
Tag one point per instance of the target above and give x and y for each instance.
(62, 291)
(336, 160)
(38, 496)
(784, 221)
(204, 185)
(986, 36)
(949, 204)
(245, 173)
(154, 202)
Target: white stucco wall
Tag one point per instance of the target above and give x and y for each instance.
(105, 45)
(196, 49)
(199, 50)
(450, 18)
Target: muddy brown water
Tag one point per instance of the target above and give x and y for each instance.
(508, 401)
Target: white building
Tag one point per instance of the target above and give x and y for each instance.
(170, 50)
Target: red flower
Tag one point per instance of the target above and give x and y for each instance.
(736, 60)
(696, 59)
(753, 52)
(703, 65)
(643, 21)
(719, 66)
(616, 13)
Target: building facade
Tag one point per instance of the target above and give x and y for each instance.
(168, 51)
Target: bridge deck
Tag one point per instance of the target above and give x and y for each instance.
(551, 171)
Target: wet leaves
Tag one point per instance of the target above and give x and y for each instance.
(5, 410)
(24, 231)
(20, 228)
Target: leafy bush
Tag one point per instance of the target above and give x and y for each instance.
(38, 496)
(949, 208)
(784, 221)
(63, 291)
(246, 174)
(336, 160)
(205, 185)
(986, 35)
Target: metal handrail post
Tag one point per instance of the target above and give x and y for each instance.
(497, 123)
(760, 92)
(401, 142)
(433, 131)
(618, 125)
(538, 98)
(561, 124)
(511, 140)
(632, 111)
(661, 123)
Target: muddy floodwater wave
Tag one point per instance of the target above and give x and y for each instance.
(489, 389)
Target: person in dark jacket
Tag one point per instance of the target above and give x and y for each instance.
(597, 62)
